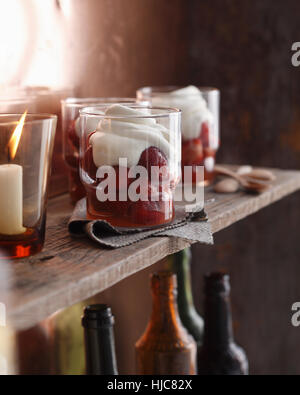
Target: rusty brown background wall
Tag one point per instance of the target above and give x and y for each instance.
(101, 47)
(117, 46)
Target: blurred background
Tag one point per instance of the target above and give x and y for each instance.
(113, 47)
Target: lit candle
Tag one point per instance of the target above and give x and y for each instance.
(11, 188)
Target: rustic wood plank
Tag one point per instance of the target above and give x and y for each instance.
(70, 270)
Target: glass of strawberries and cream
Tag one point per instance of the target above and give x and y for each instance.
(200, 123)
(71, 136)
(130, 163)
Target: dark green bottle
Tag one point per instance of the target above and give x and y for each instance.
(219, 355)
(180, 264)
(100, 356)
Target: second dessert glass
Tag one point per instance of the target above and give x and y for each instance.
(200, 124)
(71, 136)
(130, 165)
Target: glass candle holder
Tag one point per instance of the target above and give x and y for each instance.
(26, 146)
(71, 137)
(130, 165)
(200, 123)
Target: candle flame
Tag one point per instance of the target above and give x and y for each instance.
(15, 138)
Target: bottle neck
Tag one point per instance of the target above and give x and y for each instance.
(218, 332)
(164, 312)
(182, 269)
(100, 351)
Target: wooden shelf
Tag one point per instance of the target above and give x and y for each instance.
(71, 270)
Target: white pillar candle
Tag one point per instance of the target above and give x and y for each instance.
(11, 200)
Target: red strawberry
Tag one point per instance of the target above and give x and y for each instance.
(152, 156)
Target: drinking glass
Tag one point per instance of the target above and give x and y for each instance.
(26, 146)
(71, 136)
(130, 165)
(200, 123)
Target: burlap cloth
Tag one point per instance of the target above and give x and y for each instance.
(192, 226)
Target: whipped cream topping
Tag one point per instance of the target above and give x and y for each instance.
(193, 106)
(127, 136)
(91, 125)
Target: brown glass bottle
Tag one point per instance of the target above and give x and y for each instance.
(219, 355)
(165, 348)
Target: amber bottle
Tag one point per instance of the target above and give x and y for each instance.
(219, 355)
(165, 348)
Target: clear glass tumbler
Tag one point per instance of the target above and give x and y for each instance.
(26, 146)
(200, 123)
(130, 165)
(71, 134)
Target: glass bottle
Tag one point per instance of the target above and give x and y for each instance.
(165, 348)
(100, 354)
(219, 355)
(193, 322)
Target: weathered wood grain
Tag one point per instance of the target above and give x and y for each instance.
(70, 270)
